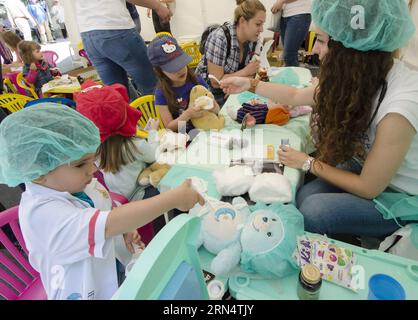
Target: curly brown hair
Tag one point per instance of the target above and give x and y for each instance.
(349, 82)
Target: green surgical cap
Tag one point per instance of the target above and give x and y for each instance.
(38, 139)
(365, 25)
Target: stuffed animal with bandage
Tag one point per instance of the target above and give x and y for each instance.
(172, 145)
(262, 241)
(202, 98)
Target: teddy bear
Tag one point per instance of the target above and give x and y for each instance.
(153, 174)
(202, 98)
(171, 146)
(260, 239)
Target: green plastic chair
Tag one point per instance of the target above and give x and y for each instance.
(169, 268)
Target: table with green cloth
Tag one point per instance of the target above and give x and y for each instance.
(203, 156)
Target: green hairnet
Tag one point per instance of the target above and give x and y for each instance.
(36, 140)
(365, 25)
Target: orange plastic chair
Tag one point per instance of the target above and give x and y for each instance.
(13, 102)
(21, 82)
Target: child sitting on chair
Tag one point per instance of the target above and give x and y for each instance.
(122, 155)
(66, 216)
(36, 70)
(176, 81)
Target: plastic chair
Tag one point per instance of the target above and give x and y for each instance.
(30, 286)
(146, 104)
(66, 101)
(83, 53)
(51, 57)
(13, 102)
(169, 268)
(192, 49)
(163, 33)
(21, 82)
(12, 76)
(8, 86)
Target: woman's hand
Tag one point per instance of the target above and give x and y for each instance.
(277, 6)
(188, 196)
(252, 68)
(291, 157)
(234, 85)
(163, 13)
(131, 238)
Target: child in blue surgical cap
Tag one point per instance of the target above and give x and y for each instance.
(66, 216)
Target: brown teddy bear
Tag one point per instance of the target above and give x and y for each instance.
(209, 120)
(153, 174)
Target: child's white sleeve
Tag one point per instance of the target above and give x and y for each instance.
(72, 234)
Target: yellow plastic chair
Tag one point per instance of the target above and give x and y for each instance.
(146, 104)
(164, 33)
(192, 49)
(21, 82)
(312, 36)
(8, 86)
(13, 102)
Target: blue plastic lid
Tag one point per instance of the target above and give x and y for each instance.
(384, 287)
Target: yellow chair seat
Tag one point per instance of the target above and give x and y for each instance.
(13, 102)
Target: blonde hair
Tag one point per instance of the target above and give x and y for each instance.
(115, 152)
(26, 48)
(247, 9)
(11, 39)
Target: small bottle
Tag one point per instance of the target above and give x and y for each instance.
(270, 152)
(309, 283)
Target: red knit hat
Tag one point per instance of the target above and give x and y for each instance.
(108, 108)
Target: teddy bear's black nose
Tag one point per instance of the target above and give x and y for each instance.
(265, 219)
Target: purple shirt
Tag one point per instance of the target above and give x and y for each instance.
(182, 95)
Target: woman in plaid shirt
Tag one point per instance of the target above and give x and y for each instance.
(249, 18)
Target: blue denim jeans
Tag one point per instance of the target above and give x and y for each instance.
(329, 210)
(293, 31)
(117, 53)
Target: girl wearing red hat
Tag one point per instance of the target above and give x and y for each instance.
(122, 155)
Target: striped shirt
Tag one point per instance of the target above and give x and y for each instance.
(216, 49)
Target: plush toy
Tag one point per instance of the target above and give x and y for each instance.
(153, 174)
(262, 241)
(259, 112)
(172, 144)
(209, 120)
(221, 227)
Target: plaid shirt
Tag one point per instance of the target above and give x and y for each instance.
(216, 50)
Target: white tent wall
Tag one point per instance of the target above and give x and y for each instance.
(191, 17)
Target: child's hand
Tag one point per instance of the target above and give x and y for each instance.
(194, 112)
(155, 124)
(188, 196)
(133, 238)
(33, 66)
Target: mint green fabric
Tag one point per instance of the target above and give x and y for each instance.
(36, 140)
(365, 25)
(396, 205)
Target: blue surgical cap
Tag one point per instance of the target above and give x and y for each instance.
(365, 25)
(36, 140)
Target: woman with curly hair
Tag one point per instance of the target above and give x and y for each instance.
(364, 119)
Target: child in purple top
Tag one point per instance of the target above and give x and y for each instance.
(176, 81)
